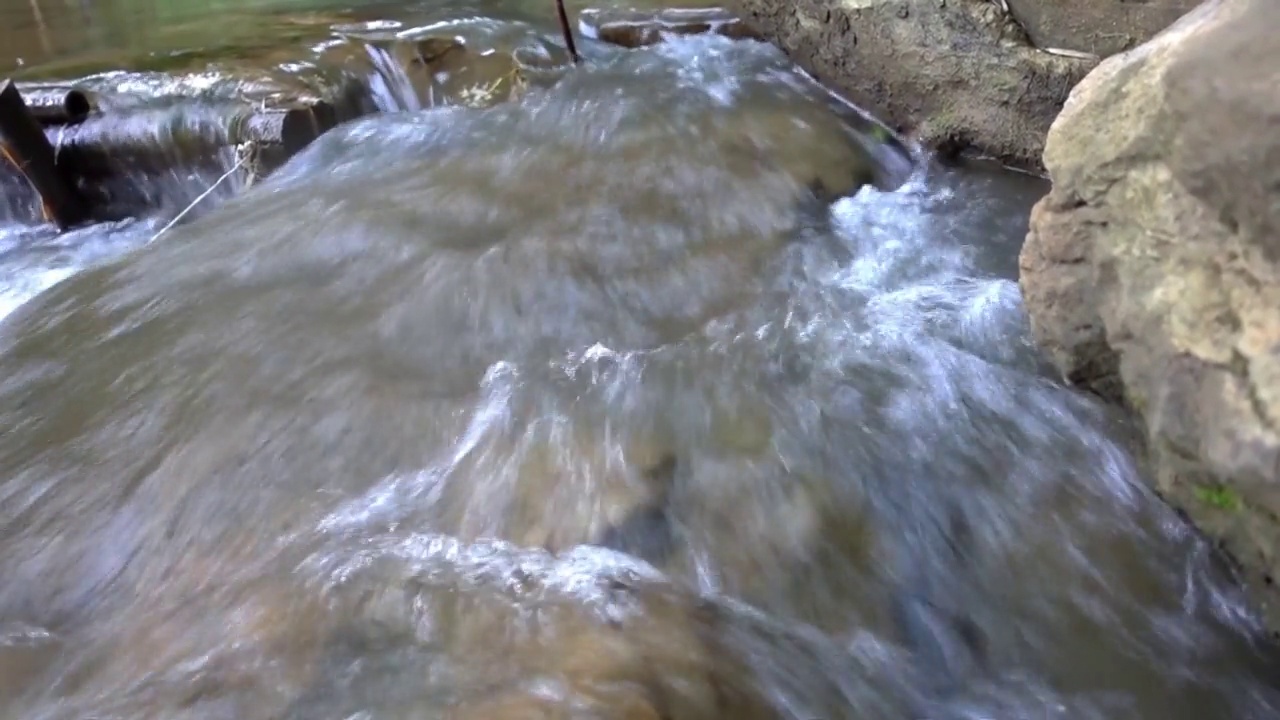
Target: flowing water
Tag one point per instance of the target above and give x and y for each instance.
(625, 399)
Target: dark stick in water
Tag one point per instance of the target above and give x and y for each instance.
(568, 32)
(24, 145)
(58, 104)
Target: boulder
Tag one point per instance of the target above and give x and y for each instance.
(637, 28)
(987, 76)
(1100, 27)
(960, 75)
(1152, 269)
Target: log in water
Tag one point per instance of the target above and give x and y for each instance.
(290, 128)
(58, 104)
(114, 159)
(27, 148)
(159, 139)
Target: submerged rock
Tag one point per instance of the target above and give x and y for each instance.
(421, 625)
(1152, 269)
(960, 75)
(636, 28)
(475, 62)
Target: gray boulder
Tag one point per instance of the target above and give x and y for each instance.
(1152, 269)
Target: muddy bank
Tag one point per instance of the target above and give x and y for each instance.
(1152, 270)
(965, 75)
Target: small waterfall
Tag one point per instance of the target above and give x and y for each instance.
(152, 161)
(140, 168)
(390, 86)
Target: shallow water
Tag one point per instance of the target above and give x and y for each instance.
(54, 37)
(618, 401)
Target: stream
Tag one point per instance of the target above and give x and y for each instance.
(668, 389)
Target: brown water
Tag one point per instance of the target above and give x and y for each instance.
(625, 399)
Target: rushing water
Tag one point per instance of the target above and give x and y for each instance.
(590, 405)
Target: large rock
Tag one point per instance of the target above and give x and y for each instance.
(1152, 269)
(957, 75)
(1101, 27)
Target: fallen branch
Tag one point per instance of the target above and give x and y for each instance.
(1075, 54)
(567, 31)
(58, 104)
(26, 147)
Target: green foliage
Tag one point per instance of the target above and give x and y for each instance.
(1219, 497)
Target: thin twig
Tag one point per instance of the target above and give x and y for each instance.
(41, 29)
(567, 31)
(195, 202)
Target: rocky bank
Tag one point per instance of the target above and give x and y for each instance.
(960, 75)
(1152, 269)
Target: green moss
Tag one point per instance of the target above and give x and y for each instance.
(1219, 497)
(1137, 402)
